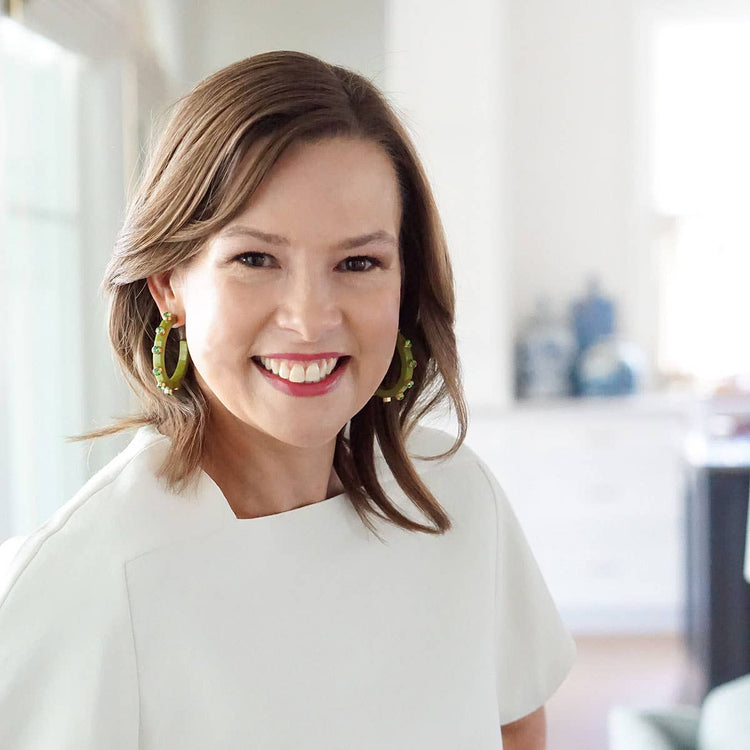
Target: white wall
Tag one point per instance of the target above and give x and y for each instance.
(445, 72)
(195, 39)
(571, 144)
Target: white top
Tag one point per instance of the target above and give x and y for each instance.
(135, 618)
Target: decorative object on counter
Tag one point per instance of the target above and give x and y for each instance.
(610, 367)
(605, 365)
(593, 316)
(545, 353)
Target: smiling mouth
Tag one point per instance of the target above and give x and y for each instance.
(298, 372)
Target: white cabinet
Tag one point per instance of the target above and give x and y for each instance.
(598, 487)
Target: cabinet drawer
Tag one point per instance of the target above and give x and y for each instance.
(605, 560)
(569, 488)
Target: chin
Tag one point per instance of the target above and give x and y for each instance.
(303, 436)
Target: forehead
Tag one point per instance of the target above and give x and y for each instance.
(331, 186)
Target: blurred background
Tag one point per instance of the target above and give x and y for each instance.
(591, 162)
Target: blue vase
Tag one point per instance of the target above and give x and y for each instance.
(593, 316)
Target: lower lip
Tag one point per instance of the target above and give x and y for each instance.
(304, 389)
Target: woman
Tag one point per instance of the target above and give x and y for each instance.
(282, 557)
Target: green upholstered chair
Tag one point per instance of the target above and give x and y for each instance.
(721, 723)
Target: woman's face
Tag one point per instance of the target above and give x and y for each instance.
(308, 272)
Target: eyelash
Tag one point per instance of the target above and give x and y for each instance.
(374, 261)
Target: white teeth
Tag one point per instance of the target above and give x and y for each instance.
(297, 372)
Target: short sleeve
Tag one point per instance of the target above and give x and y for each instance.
(534, 650)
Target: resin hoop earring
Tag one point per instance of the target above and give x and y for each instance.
(408, 363)
(167, 385)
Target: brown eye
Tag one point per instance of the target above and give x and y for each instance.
(249, 259)
(359, 263)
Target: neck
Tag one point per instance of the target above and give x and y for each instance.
(260, 475)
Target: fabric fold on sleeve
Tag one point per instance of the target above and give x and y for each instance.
(534, 649)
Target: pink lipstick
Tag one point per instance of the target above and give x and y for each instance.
(305, 389)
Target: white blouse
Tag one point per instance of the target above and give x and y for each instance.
(135, 618)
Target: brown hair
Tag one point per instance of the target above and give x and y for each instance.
(198, 179)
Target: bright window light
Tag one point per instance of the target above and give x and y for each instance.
(19, 43)
(40, 274)
(701, 189)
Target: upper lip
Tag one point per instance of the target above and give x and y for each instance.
(302, 357)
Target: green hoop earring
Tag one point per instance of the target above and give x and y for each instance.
(167, 385)
(408, 363)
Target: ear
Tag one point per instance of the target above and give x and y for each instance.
(166, 290)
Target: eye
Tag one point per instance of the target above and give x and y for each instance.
(355, 263)
(252, 257)
(358, 260)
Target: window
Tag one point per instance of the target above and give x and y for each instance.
(41, 383)
(701, 190)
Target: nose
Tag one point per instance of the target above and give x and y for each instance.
(309, 306)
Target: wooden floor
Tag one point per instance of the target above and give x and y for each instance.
(617, 670)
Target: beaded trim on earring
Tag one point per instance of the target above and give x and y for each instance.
(408, 363)
(167, 385)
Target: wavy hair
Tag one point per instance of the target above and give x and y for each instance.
(199, 176)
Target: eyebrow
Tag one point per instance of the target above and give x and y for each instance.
(276, 239)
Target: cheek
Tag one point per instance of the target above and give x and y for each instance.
(201, 315)
(379, 307)
(218, 329)
(380, 320)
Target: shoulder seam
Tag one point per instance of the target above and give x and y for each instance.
(9, 585)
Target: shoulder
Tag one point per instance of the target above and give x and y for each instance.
(424, 444)
(65, 633)
(82, 541)
(462, 482)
